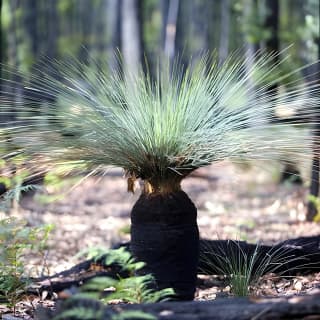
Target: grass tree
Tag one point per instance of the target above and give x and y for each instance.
(159, 130)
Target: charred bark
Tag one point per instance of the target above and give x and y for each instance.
(164, 235)
(299, 256)
(303, 307)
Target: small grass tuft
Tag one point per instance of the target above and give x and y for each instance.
(244, 269)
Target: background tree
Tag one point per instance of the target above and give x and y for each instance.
(112, 31)
(131, 42)
(224, 33)
(97, 119)
(170, 28)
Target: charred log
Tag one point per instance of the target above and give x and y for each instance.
(299, 256)
(303, 307)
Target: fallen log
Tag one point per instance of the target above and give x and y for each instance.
(288, 258)
(297, 307)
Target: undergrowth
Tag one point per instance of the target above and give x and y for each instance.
(134, 288)
(131, 289)
(17, 240)
(244, 270)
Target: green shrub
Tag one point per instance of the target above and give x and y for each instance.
(16, 239)
(134, 288)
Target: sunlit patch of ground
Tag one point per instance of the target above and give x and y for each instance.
(232, 204)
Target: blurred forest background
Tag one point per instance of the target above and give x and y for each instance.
(146, 29)
(35, 31)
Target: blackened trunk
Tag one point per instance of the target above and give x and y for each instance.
(164, 234)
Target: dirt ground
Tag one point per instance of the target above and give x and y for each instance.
(232, 202)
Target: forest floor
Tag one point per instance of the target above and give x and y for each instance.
(233, 203)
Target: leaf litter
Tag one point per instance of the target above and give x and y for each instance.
(232, 203)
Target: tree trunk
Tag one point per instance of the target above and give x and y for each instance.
(113, 31)
(224, 32)
(164, 6)
(31, 26)
(290, 171)
(199, 38)
(272, 24)
(250, 49)
(164, 235)
(170, 30)
(130, 37)
(183, 33)
(13, 88)
(52, 16)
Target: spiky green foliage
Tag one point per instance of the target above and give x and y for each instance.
(163, 128)
(244, 270)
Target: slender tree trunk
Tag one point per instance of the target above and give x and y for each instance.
(170, 30)
(272, 24)
(224, 32)
(214, 24)
(31, 26)
(290, 171)
(52, 16)
(200, 15)
(14, 89)
(130, 37)
(183, 33)
(85, 11)
(113, 31)
(250, 6)
(12, 36)
(249, 47)
(164, 6)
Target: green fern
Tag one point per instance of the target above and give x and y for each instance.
(134, 288)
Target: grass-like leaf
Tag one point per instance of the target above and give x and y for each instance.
(244, 269)
(160, 129)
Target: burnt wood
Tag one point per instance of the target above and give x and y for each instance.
(301, 256)
(165, 235)
(293, 308)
